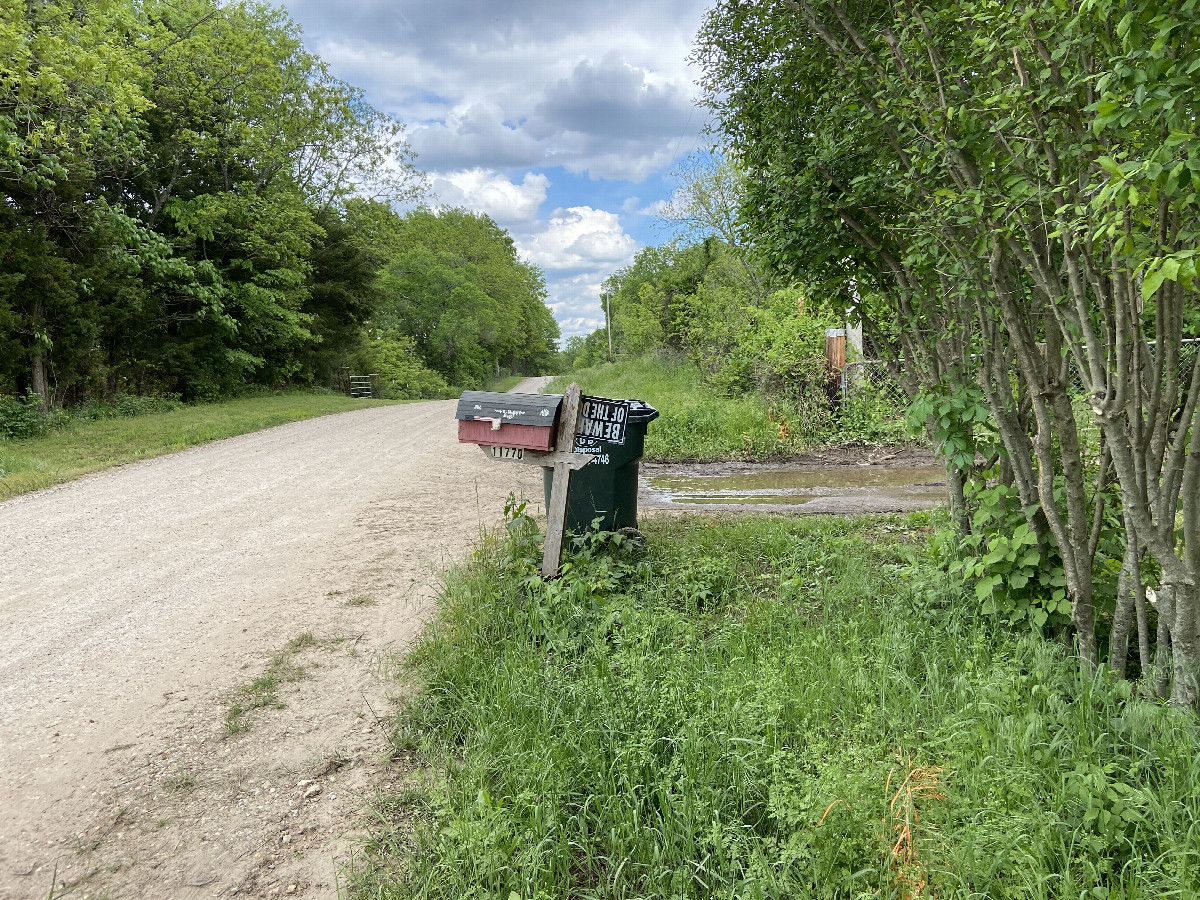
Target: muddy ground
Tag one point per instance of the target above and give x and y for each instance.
(856, 480)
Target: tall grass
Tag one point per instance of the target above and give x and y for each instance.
(695, 422)
(765, 708)
(82, 446)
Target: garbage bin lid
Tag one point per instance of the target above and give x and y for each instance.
(641, 411)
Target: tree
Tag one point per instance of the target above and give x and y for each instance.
(167, 168)
(457, 287)
(1012, 181)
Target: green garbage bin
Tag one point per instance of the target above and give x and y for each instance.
(607, 486)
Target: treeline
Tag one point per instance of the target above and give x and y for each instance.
(705, 301)
(193, 203)
(1009, 194)
(457, 305)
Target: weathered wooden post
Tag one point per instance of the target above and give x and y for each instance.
(515, 427)
(556, 514)
(835, 360)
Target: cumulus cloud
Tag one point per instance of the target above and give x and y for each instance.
(579, 238)
(488, 191)
(492, 93)
(602, 88)
(578, 248)
(576, 306)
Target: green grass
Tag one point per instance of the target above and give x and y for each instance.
(83, 447)
(695, 423)
(769, 707)
(281, 669)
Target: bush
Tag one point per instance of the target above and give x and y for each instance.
(394, 357)
(694, 422)
(763, 708)
(20, 417)
(126, 406)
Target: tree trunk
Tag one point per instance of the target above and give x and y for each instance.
(1185, 646)
(40, 387)
(1128, 586)
(38, 381)
(958, 502)
(1143, 629)
(1162, 659)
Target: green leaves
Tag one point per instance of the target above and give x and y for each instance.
(457, 289)
(1180, 267)
(163, 164)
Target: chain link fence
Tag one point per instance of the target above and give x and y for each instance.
(1188, 352)
(869, 382)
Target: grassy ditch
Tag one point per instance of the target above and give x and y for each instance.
(82, 447)
(770, 707)
(697, 423)
(503, 383)
(694, 421)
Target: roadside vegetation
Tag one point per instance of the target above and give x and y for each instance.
(263, 691)
(770, 707)
(1009, 196)
(194, 204)
(695, 422)
(78, 445)
(699, 422)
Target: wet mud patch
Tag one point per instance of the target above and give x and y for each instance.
(840, 481)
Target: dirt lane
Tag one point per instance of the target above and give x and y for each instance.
(134, 601)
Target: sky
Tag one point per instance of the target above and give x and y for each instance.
(561, 120)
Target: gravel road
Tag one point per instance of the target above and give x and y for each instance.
(132, 602)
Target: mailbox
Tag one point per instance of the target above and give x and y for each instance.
(524, 421)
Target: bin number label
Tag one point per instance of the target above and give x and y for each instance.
(602, 420)
(508, 453)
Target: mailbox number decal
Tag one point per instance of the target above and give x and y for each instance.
(508, 453)
(602, 420)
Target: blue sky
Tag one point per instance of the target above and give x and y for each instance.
(560, 120)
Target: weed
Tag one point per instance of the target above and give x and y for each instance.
(261, 692)
(697, 423)
(361, 600)
(719, 715)
(328, 763)
(301, 642)
(183, 781)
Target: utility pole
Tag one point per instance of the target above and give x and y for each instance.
(608, 322)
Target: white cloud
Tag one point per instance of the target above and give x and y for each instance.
(579, 238)
(576, 303)
(487, 191)
(493, 93)
(633, 207)
(601, 88)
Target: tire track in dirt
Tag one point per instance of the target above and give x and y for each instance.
(131, 604)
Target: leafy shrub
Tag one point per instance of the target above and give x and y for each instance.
(394, 357)
(129, 406)
(126, 406)
(20, 417)
(1015, 574)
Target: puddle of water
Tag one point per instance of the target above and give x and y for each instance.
(797, 486)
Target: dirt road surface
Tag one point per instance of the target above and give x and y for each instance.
(136, 604)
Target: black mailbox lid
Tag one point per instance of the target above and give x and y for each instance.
(540, 410)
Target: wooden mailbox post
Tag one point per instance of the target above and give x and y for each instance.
(514, 427)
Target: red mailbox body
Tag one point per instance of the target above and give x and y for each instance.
(490, 419)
